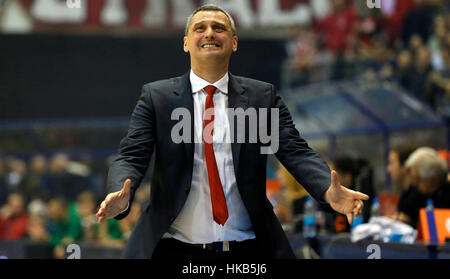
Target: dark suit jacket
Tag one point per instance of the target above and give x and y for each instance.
(150, 133)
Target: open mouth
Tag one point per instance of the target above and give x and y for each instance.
(210, 45)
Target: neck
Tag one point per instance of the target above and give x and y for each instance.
(211, 72)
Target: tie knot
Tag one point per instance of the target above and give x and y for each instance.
(210, 89)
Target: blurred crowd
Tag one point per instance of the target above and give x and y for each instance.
(53, 201)
(417, 174)
(406, 40)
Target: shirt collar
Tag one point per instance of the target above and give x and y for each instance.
(197, 83)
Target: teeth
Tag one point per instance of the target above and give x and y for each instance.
(207, 46)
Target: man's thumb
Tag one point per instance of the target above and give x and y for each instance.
(334, 178)
(126, 187)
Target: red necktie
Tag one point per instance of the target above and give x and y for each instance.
(219, 205)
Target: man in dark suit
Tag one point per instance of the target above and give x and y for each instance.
(208, 193)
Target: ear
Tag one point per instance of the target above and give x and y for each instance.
(235, 43)
(185, 46)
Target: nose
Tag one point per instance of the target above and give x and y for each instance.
(209, 33)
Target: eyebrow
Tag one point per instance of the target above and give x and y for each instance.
(215, 23)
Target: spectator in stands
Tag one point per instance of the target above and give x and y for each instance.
(417, 21)
(415, 43)
(37, 228)
(397, 169)
(110, 233)
(16, 170)
(94, 179)
(428, 172)
(438, 87)
(64, 226)
(393, 18)
(420, 74)
(293, 197)
(356, 174)
(37, 207)
(380, 55)
(86, 208)
(37, 223)
(400, 177)
(402, 72)
(60, 181)
(437, 42)
(34, 180)
(336, 27)
(13, 218)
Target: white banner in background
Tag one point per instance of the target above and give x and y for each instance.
(165, 14)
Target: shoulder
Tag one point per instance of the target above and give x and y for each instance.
(163, 84)
(252, 83)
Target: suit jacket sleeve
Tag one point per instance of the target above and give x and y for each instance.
(135, 149)
(305, 164)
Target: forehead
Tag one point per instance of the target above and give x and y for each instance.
(210, 16)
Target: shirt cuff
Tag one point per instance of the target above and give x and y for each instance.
(128, 205)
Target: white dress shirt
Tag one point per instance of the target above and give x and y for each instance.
(195, 223)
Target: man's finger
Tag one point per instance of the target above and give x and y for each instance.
(361, 205)
(350, 218)
(101, 211)
(334, 178)
(360, 196)
(100, 220)
(356, 210)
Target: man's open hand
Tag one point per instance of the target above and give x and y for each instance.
(114, 203)
(344, 200)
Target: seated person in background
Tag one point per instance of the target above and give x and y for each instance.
(356, 174)
(13, 218)
(37, 222)
(399, 174)
(110, 233)
(428, 174)
(37, 228)
(397, 169)
(64, 226)
(293, 198)
(86, 208)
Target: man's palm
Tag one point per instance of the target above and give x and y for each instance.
(114, 203)
(344, 200)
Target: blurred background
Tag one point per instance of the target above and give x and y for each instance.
(367, 87)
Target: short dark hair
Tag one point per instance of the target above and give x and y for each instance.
(209, 7)
(346, 164)
(403, 152)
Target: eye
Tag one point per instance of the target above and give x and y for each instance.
(199, 28)
(219, 28)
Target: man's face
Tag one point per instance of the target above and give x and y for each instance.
(16, 203)
(210, 37)
(394, 168)
(56, 211)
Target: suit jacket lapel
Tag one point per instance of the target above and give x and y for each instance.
(236, 99)
(183, 90)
